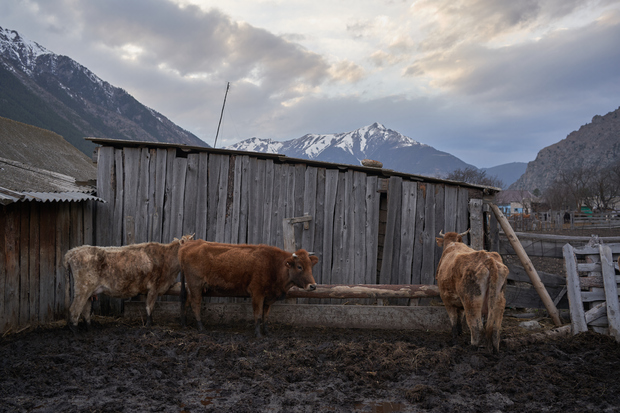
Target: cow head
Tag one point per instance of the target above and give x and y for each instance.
(450, 237)
(184, 238)
(299, 267)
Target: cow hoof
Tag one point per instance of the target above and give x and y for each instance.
(73, 329)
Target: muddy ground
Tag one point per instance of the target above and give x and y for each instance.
(122, 366)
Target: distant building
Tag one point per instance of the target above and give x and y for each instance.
(515, 202)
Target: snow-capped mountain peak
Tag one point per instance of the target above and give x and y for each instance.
(20, 49)
(375, 141)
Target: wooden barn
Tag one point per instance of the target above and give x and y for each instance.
(366, 225)
(47, 205)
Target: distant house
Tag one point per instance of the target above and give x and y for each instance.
(515, 202)
(47, 201)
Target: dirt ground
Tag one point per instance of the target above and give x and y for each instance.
(122, 366)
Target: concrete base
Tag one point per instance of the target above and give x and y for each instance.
(311, 315)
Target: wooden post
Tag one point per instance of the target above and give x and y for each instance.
(527, 264)
(577, 314)
(611, 291)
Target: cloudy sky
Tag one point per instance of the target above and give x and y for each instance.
(490, 82)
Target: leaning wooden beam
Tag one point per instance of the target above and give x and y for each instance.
(340, 291)
(527, 264)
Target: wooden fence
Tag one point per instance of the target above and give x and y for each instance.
(592, 287)
(368, 226)
(557, 220)
(34, 238)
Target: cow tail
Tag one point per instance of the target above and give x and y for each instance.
(495, 301)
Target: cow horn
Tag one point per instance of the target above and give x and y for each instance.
(294, 255)
(465, 233)
(441, 234)
(310, 253)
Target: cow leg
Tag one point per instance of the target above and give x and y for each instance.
(77, 307)
(455, 315)
(266, 309)
(195, 300)
(257, 307)
(473, 314)
(86, 313)
(151, 297)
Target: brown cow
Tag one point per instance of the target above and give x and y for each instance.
(149, 268)
(264, 272)
(472, 282)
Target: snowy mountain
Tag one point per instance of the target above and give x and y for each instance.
(395, 150)
(54, 92)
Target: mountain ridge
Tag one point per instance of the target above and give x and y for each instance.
(395, 150)
(69, 99)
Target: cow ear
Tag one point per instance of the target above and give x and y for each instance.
(314, 259)
(289, 262)
(439, 241)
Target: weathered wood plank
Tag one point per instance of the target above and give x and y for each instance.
(450, 210)
(202, 196)
(236, 201)
(417, 246)
(518, 273)
(340, 236)
(106, 180)
(24, 266)
(391, 246)
(331, 189)
(34, 262)
(359, 241)
(371, 225)
(577, 312)
(318, 223)
(49, 215)
(222, 198)
(298, 194)
(190, 202)
(11, 261)
(277, 206)
(309, 201)
(63, 242)
(462, 212)
(440, 200)
(267, 201)
(407, 232)
(168, 217)
(611, 291)
(257, 192)
(153, 216)
(130, 188)
(429, 244)
(142, 196)
(179, 174)
(114, 236)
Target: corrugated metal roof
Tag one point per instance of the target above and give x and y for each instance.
(21, 177)
(7, 196)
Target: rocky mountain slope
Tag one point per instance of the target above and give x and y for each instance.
(54, 92)
(595, 145)
(394, 150)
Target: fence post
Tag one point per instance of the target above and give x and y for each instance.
(529, 267)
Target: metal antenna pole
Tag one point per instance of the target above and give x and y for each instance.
(221, 114)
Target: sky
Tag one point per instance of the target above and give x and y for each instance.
(490, 82)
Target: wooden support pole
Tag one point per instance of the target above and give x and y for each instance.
(528, 266)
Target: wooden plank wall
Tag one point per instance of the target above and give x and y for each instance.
(34, 238)
(159, 194)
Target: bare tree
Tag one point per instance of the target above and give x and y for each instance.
(475, 176)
